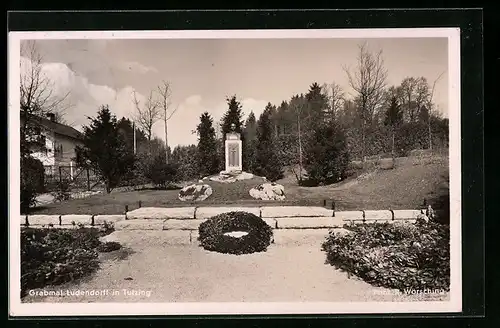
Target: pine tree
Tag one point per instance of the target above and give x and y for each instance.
(393, 119)
(317, 104)
(250, 146)
(208, 160)
(234, 116)
(326, 156)
(267, 159)
(105, 149)
(126, 129)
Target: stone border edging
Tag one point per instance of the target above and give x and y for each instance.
(69, 220)
(189, 218)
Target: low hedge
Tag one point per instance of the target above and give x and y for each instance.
(212, 233)
(400, 256)
(56, 256)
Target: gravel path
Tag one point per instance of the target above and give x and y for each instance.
(187, 273)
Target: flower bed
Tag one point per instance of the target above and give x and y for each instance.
(400, 256)
(235, 233)
(55, 256)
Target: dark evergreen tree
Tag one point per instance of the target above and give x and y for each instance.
(126, 129)
(250, 146)
(317, 104)
(326, 156)
(105, 149)
(208, 159)
(185, 159)
(233, 115)
(160, 173)
(393, 119)
(268, 163)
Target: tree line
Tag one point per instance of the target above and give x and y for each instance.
(315, 134)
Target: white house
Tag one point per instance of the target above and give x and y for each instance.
(60, 143)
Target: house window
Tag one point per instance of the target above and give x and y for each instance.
(58, 150)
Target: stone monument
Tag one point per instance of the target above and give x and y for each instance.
(233, 151)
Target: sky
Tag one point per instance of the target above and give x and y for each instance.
(203, 72)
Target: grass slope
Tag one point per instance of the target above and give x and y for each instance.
(404, 187)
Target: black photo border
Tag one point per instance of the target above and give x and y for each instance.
(470, 22)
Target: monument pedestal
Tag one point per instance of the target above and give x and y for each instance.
(233, 151)
(233, 156)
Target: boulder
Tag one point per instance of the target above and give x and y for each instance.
(386, 164)
(195, 192)
(268, 191)
(229, 177)
(223, 177)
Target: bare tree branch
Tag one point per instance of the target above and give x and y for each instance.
(36, 89)
(165, 93)
(336, 98)
(369, 82)
(146, 115)
(434, 87)
(36, 98)
(429, 108)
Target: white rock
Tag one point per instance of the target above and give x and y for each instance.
(268, 191)
(195, 192)
(230, 177)
(223, 178)
(244, 176)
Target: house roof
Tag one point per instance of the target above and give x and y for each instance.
(59, 128)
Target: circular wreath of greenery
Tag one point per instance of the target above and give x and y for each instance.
(213, 233)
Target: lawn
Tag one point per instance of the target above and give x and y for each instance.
(403, 187)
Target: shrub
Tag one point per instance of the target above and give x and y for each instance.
(185, 157)
(32, 181)
(354, 168)
(109, 246)
(55, 256)
(159, 172)
(212, 233)
(63, 191)
(400, 256)
(106, 228)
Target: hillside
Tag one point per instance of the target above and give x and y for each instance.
(403, 187)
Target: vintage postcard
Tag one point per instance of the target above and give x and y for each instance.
(234, 172)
